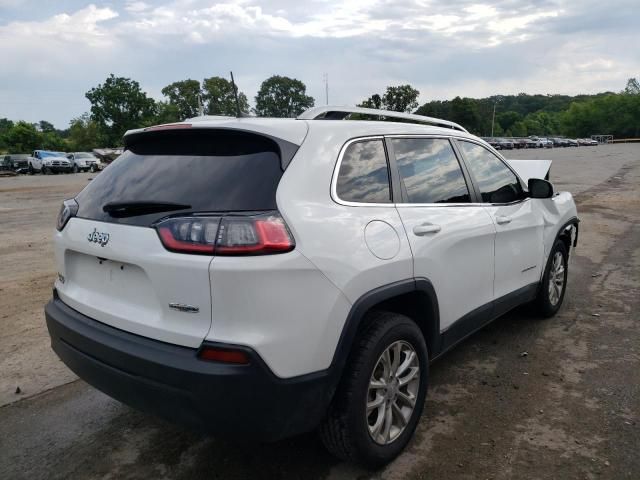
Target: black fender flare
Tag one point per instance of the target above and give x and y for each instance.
(368, 300)
(573, 223)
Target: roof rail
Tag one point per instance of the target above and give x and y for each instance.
(330, 112)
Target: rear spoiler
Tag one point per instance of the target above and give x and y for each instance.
(527, 169)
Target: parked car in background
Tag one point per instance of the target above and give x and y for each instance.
(536, 142)
(572, 142)
(546, 143)
(493, 142)
(43, 161)
(5, 164)
(560, 142)
(587, 142)
(505, 144)
(18, 162)
(84, 162)
(520, 142)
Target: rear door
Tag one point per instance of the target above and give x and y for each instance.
(519, 225)
(112, 264)
(451, 237)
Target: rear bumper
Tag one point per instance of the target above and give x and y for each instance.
(242, 401)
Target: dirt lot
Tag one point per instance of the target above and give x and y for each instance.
(569, 408)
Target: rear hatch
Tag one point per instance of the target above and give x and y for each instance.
(112, 264)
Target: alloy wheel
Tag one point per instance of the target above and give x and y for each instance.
(556, 278)
(393, 388)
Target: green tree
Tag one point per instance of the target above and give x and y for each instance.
(519, 129)
(167, 113)
(119, 105)
(403, 98)
(23, 137)
(465, 112)
(5, 126)
(184, 95)
(374, 101)
(52, 141)
(219, 98)
(282, 97)
(84, 134)
(507, 119)
(633, 87)
(45, 126)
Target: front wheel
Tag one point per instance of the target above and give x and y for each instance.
(380, 398)
(554, 280)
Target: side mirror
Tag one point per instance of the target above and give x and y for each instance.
(539, 188)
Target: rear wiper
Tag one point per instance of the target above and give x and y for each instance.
(132, 209)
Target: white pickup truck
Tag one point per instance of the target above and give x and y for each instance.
(46, 162)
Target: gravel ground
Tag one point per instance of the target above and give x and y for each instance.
(569, 408)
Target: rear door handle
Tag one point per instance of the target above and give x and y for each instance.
(426, 228)
(502, 220)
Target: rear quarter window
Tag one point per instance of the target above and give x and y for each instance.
(364, 174)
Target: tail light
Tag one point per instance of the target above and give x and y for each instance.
(227, 235)
(68, 209)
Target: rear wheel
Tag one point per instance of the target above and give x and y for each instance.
(381, 396)
(554, 281)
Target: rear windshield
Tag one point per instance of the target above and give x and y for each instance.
(206, 170)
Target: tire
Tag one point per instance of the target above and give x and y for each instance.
(92, 169)
(46, 171)
(549, 300)
(346, 430)
(31, 170)
(75, 168)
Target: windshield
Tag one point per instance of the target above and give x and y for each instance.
(52, 154)
(84, 155)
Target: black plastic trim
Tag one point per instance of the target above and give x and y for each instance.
(438, 342)
(369, 300)
(575, 222)
(484, 315)
(237, 401)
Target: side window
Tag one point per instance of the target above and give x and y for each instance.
(363, 175)
(430, 171)
(497, 183)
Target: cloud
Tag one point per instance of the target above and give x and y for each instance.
(462, 47)
(43, 48)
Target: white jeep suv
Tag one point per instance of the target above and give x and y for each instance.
(259, 277)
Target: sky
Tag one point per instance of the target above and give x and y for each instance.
(53, 51)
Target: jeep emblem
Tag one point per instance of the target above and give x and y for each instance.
(98, 237)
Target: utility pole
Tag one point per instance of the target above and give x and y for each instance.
(325, 78)
(493, 119)
(200, 106)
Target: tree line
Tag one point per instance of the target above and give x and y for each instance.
(119, 104)
(521, 115)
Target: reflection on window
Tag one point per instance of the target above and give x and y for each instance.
(497, 183)
(430, 171)
(363, 175)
